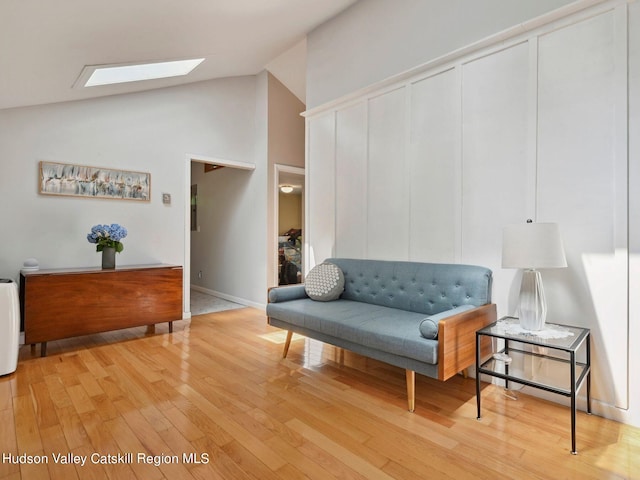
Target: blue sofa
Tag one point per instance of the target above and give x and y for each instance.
(418, 316)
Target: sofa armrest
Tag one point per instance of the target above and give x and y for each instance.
(284, 294)
(457, 339)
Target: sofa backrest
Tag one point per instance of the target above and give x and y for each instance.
(427, 288)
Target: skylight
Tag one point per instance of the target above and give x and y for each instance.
(96, 75)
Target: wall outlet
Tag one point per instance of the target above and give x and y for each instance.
(200, 274)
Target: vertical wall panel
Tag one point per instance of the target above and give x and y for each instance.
(321, 189)
(496, 140)
(579, 166)
(351, 181)
(388, 198)
(634, 197)
(434, 166)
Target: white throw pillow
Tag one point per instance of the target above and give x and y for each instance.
(325, 282)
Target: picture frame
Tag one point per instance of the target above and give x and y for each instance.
(70, 180)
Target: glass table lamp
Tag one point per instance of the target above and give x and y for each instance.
(531, 246)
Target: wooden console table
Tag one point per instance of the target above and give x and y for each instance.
(65, 303)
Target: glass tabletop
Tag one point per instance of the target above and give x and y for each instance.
(553, 335)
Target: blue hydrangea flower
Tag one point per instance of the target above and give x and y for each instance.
(107, 236)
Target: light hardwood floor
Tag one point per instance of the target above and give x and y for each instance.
(218, 389)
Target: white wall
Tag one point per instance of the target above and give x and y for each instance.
(150, 132)
(634, 206)
(285, 146)
(290, 211)
(236, 247)
(532, 126)
(376, 39)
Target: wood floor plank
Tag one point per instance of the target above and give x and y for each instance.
(177, 443)
(72, 427)
(220, 466)
(82, 402)
(249, 463)
(216, 401)
(169, 462)
(343, 456)
(181, 422)
(29, 373)
(90, 470)
(53, 440)
(128, 442)
(104, 444)
(43, 405)
(240, 434)
(57, 391)
(35, 470)
(199, 415)
(90, 383)
(6, 396)
(27, 430)
(298, 459)
(8, 442)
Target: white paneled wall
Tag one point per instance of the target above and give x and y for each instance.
(351, 182)
(634, 198)
(582, 171)
(431, 169)
(387, 187)
(321, 191)
(434, 168)
(496, 149)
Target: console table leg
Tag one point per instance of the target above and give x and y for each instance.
(43, 349)
(170, 327)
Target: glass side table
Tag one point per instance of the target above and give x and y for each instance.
(561, 342)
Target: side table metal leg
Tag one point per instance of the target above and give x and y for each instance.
(573, 404)
(506, 365)
(589, 374)
(478, 374)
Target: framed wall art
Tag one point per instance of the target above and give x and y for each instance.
(95, 182)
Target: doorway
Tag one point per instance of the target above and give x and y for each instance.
(195, 217)
(290, 206)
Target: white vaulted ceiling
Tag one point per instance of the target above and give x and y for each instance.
(45, 44)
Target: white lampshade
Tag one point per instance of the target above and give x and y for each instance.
(532, 246)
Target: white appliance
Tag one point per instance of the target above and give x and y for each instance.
(9, 326)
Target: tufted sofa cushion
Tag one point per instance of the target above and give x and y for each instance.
(427, 288)
(380, 328)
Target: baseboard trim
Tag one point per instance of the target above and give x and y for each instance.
(230, 298)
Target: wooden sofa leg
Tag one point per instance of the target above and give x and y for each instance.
(287, 343)
(411, 389)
